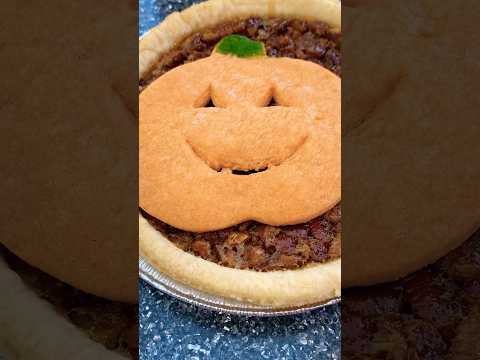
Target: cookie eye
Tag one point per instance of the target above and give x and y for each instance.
(209, 103)
(205, 101)
(272, 102)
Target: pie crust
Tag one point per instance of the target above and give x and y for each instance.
(311, 284)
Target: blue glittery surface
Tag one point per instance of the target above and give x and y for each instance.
(170, 329)
(152, 11)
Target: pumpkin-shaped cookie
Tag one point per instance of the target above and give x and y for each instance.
(189, 153)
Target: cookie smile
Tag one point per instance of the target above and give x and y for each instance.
(246, 141)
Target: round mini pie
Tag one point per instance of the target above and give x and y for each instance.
(240, 155)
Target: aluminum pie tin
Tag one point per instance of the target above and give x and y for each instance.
(204, 300)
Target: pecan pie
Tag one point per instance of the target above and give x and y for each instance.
(240, 158)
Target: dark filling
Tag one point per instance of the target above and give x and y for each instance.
(252, 245)
(260, 247)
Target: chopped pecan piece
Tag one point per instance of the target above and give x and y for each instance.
(237, 238)
(334, 215)
(268, 234)
(255, 256)
(202, 248)
(335, 249)
(321, 229)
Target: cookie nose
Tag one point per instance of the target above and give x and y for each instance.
(246, 138)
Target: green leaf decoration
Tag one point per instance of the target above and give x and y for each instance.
(240, 46)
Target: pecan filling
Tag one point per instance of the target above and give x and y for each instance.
(252, 245)
(260, 247)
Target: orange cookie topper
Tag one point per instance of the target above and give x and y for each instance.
(188, 152)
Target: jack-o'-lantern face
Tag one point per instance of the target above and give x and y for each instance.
(225, 140)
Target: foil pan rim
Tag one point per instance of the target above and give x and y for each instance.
(210, 302)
